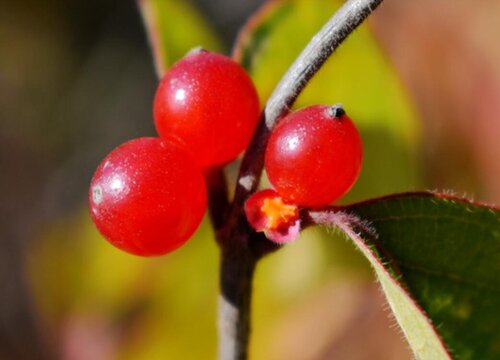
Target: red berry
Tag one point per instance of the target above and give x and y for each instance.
(314, 156)
(210, 102)
(147, 197)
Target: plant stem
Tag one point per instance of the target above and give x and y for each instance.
(310, 60)
(218, 200)
(237, 269)
(241, 247)
(314, 55)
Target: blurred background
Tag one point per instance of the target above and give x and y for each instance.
(77, 79)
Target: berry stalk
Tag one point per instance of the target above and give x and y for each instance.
(241, 247)
(307, 64)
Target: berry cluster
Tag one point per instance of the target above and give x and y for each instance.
(148, 196)
(313, 157)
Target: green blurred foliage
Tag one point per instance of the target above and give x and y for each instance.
(175, 28)
(166, 307)
(358, 75)
(158, 306)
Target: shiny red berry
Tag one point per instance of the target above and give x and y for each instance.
(147, 197)
(210, 102)
(314, 156)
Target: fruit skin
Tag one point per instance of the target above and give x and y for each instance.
(314, 155)
(208, 101)
(147, 197)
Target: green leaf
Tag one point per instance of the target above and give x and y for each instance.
(358, 75)
(174, 27)
(445, 252)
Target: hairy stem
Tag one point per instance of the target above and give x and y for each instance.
(241, 248)
(310, 60)
(314, 55)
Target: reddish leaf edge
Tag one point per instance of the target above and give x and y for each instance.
(363, 245)
(151, 26)
(256, 19)
(447, 195)
(365, 237)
